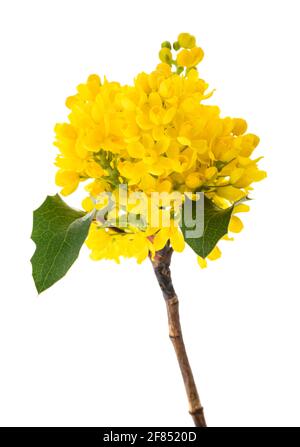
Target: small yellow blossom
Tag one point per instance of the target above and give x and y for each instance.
(202, 262)
(69, 181)
(215, 254)
(235, 225)
(190, 58)
(171, 233)
(193, 180)
(186, 40)
(165, 55)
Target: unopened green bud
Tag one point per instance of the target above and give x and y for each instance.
(166, 44)
(176, 45)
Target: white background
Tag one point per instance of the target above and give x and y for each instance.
(93, 350)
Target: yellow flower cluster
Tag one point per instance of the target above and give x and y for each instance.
(154, 135)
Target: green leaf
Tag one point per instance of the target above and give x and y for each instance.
(58, 232)
(213, 220)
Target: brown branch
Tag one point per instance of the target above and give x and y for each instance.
(161, 265)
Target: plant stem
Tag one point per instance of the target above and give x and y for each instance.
(161, 265)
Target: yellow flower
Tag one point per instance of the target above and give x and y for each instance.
(210, 172)
(165, 55)
(230, 193)
(156, 134)
(190, 58)
(109, 244)
(240, 126)
(235, 225)
(88, 204)
(172, 234)
(202, 262)
(68, 180)
(136, 150)
(93, 169)
(186, 40)
(193, 180)
(215, 254)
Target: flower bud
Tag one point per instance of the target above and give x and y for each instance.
(165, 55)
(176, 45)
(240, 126)
(166, 44)
(186, 40)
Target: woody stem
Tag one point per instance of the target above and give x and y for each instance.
(161, 265)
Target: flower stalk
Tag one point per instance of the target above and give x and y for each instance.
(161, 265)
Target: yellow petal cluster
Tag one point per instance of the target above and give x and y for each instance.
(110, 244)
(157, 134)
